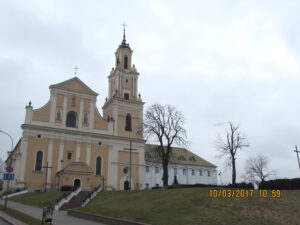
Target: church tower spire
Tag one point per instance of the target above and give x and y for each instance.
(124, 103)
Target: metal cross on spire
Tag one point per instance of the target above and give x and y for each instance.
(75, 72)
(124, 29)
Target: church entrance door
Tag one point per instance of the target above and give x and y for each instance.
(126, 185)
(76, 183)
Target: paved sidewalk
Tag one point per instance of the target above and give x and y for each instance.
(59, 217)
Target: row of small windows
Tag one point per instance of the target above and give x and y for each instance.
(39, 162)
(175, 171)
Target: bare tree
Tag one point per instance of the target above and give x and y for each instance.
(256, 169)
(229, 145)
(164, 124)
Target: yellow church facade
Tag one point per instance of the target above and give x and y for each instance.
(68, 142)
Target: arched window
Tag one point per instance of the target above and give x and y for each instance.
(125, 62)
(39, 161)
(71, 119)
(98, 165)
(128, 122)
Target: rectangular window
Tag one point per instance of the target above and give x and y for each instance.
(126, 96)
(184, 171)
(200, 172)
(156, 170)
(193, 172)
(157, 185)
(175, 171)
(69, 155)
(208, 173)
(147, 186)
(147, 169)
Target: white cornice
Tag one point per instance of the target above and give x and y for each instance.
(75, 135)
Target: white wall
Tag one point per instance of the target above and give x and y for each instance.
(153, 178)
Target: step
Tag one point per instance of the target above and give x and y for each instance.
(76, 201)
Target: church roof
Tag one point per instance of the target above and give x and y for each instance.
(74, 84)
(179, 156)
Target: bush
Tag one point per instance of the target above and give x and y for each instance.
(237, 185)
(242, 185)
(282, 184)
(156, 187)
(66, 188)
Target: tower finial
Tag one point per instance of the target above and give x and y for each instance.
(124, 35)
(75, 72)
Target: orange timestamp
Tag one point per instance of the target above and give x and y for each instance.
(242, 193)
(269, 193)
(230, 193)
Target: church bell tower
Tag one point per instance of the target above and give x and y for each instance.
(124, 106)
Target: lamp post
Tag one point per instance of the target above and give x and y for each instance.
(12, 146)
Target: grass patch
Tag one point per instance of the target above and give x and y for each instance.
(38, 199)
(20, 216)
(195, 206)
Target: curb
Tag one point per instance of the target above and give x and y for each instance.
(10, 220)
(103, 219)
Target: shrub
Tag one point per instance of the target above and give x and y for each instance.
(282, 184)
(66, 188)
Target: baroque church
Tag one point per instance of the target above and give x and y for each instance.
(68, 141)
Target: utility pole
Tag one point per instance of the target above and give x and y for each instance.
(130, 150)
(10, 162)
(297, 152)
(47, 167)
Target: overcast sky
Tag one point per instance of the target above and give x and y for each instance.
(215, 61)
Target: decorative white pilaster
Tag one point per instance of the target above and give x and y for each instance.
(88, 154)
(78, 151)
(92, 111)
(115, 116)
(142, 168)
(133, 87)
(60, 155)
(112, 177)
(24, 146)
(49, 160)
(64, 111)
(53, 108)
(29, 113)
(80, 113)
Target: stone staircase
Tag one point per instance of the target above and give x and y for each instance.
(76, 201)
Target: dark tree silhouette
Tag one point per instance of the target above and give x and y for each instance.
(164, 124)
(230, 144)
(256, 169)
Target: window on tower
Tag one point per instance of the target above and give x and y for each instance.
(126, 62)
(128, 122)
(126, 96)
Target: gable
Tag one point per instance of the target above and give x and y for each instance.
(75, 85)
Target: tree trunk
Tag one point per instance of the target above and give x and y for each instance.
(233, 170)
(165, 174)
